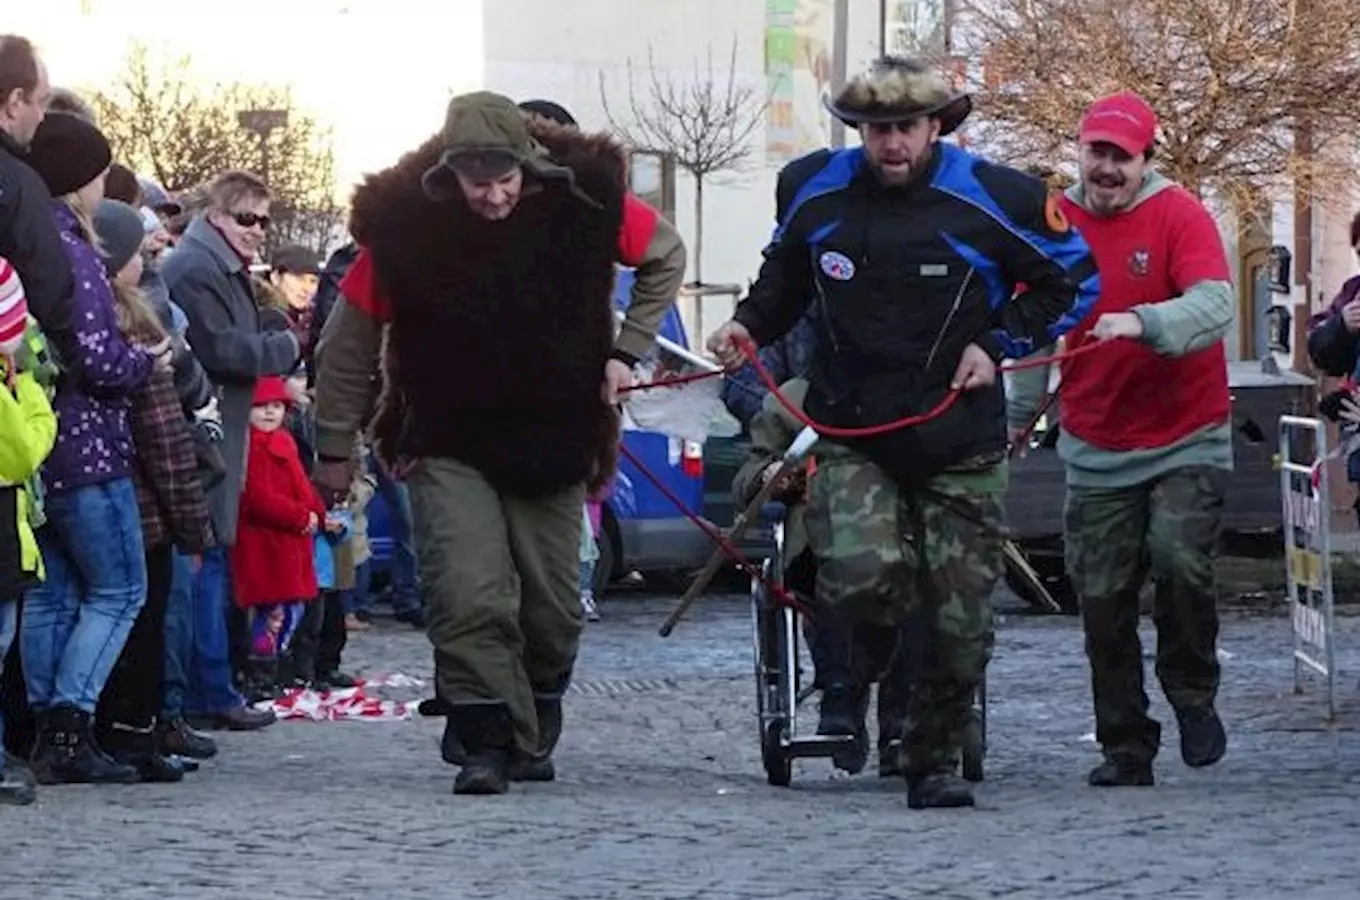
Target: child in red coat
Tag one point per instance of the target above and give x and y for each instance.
(272, 565)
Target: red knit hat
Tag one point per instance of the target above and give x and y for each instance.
(13, 309)
(270, 389)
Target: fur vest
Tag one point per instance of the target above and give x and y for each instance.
(500, 331)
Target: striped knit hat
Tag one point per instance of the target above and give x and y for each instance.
(13, 309)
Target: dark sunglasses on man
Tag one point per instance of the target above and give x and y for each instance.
(250, 220)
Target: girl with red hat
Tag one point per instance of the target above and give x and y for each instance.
(272, 564)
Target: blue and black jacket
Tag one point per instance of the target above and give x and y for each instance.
(902, 279)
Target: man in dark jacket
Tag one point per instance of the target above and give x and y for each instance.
(912, 248)
(28, 236)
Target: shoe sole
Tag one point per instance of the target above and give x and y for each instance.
(959, 803)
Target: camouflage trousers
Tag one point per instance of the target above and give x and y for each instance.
(1115, 538)
(924, 558)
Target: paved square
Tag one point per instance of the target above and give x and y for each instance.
(662, 796)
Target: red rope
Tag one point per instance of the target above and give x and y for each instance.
(749, 351)
(776, 592)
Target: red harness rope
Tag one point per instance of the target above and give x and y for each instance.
(776, 592)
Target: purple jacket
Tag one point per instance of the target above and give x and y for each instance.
(1331, 345)
(94, 436)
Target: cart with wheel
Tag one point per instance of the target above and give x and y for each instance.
(780, 688)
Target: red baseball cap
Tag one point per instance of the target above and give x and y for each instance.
(1123, 119)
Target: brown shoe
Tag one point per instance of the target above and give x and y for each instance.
(354, 623)
(245, 718)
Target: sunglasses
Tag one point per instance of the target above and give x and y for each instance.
(250, 220)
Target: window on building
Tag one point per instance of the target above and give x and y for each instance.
(651, 176)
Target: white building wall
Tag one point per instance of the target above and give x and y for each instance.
(562, 51)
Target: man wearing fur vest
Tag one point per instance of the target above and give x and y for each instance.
(485, 272)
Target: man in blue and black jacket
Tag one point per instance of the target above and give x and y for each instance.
(910, 251)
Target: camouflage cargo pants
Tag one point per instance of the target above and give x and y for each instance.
(927, 558)
(1115, 539)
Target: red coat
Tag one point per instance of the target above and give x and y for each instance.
(272, 559)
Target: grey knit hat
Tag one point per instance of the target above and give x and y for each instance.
(121, 232)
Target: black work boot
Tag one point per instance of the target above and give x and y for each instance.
(1121, 770)
(137, 747)
(941, 789)
(540, 766)
(77, 758)
(1203, 740)
(838, 711)
(45, 756)
(489, 739)
(450, 748)
(853, 758)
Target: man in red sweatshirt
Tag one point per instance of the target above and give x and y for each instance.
(1146, 440)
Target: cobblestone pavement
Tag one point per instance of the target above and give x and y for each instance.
(662, 796)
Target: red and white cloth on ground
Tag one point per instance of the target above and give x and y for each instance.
(346, 704)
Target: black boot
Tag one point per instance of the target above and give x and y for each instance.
(1203, 740)
(450, 748)
(77, 757)
(137, 747)
(1119, 770)
(540, 766)
(853, 758)
(489, 738)
(838, 711)
(46, 756)
(938, 790)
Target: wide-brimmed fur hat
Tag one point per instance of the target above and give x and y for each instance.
(896, 89)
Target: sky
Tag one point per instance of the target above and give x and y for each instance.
(378, 72)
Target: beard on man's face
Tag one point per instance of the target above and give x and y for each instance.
(900, 169)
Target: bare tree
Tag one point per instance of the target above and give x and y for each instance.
(705, 124)
(160, 123)
(1254, 96)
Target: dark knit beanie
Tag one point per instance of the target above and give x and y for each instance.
(549, 110)
(68, 153)
(121, 231)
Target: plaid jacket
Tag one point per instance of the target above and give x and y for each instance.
(170, 497)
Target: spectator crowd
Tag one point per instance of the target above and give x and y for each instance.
(165, 562)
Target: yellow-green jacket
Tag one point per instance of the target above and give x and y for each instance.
(28, 429)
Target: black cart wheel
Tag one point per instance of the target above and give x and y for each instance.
(778, 763)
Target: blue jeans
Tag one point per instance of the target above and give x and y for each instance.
(588, 577)
(76, 622)
(405, 575)
(179, 638)
(210, 689)
(356, 600)
(9, 621)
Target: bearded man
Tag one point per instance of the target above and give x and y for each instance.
(912, 249)
(487, 256)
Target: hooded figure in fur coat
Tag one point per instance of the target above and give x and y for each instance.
(484, 282)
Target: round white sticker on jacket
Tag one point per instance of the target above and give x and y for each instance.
(837, 266)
